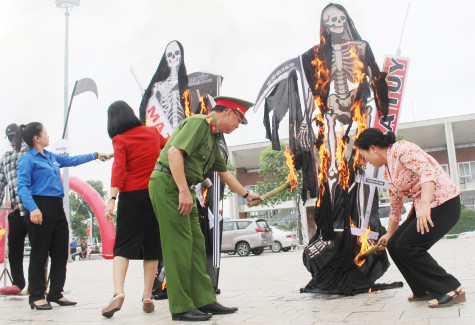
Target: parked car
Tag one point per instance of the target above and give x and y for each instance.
(384, 210)
(243, 236)
(284, 239)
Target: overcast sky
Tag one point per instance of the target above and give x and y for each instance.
(242, 40)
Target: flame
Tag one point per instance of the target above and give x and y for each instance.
(204, 108)
(359, 65)
(370, 289)
(357, 108)
(365, 246)
(147, 122)
(323, 174)
(352, 224)
(292, 178)
(2, 232)
(322, 75)
(186, 97)
(164, 284)
(343, 167)
(204, 195)
(378, 291)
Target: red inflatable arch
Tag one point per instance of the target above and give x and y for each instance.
(89, 194)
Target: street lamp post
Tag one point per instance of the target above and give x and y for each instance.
(67, 6)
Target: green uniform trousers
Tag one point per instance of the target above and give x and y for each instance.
(183, 246)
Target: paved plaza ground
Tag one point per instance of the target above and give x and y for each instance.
(266, 290)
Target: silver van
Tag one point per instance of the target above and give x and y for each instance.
(245, 236)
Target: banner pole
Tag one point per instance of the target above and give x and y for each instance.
(69, 109)
(398, 51)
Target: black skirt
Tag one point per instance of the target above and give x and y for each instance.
(137, 234)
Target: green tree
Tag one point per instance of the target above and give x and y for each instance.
(274, 172)
(80, 211)
(227, 191)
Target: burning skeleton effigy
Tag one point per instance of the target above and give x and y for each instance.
(342, 89)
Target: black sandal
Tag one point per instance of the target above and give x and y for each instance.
(448, 300)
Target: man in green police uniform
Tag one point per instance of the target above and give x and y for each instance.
(191, 151)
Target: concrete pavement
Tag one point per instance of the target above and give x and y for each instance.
(266, 290)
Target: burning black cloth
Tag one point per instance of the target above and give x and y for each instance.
(330, 260)
(285, 98)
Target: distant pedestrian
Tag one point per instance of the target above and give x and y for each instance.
(73, 248)
(411, 172)
(41, 191)
(83, 247)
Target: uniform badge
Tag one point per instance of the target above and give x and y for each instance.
(209, 120)
(213, 128)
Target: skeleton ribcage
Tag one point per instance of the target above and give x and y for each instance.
(170, 98)
(344, 66)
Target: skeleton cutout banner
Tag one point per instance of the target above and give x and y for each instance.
(162, 103)
(342, 88)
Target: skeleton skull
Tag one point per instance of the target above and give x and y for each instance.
(334, 20)
(173, 54)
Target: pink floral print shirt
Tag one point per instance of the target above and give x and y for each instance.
(409, 167)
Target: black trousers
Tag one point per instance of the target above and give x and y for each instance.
(51, 237)
(409, 251)
(17, 231)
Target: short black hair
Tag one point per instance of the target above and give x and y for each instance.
(219, 108)
(376, 137)
(121, 118)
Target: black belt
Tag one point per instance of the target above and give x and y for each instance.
(162, 169)
(168, 171)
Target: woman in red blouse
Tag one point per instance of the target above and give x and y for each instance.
(136, 149)
(411, 172)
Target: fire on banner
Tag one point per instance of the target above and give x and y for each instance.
(396, 67)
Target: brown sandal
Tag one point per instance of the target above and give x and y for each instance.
(148, 306)
(449, 300)
(114, 305)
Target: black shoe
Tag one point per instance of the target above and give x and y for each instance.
(448, 300)
(46, 306)
(61, 302)
(217, 308)
(193, 315)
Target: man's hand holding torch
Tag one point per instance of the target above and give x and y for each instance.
(254, 197)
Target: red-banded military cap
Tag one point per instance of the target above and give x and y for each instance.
(236, 104)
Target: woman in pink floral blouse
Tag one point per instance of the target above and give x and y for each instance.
(410, 172)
